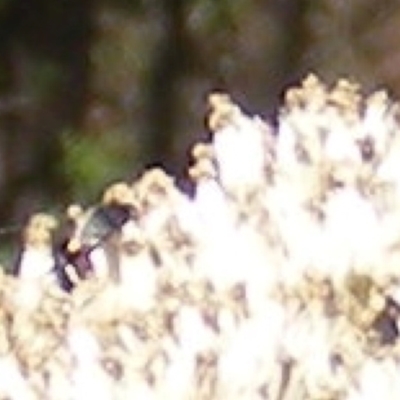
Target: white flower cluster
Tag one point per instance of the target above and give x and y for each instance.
(278, 279)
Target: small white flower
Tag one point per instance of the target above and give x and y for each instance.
(179, 376)
(13, 385)
(239, 145)
(212, 207)
(351, 231)
(193, 334)
(138, 280)
(36, 263)
(88, 378)
(379, 379)
(251, 355)
(379, 121)
(340, 145)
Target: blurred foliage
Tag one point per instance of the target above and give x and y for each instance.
(90, 163)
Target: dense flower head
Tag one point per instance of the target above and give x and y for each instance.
(277, 279)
